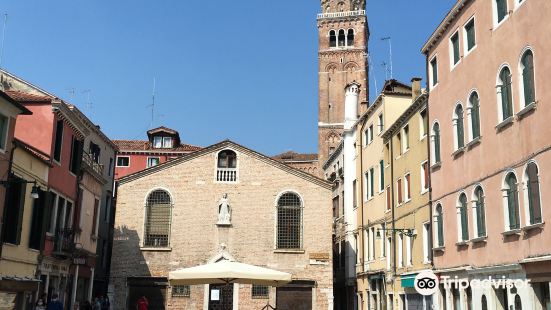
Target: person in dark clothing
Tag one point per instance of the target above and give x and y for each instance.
(55, 304)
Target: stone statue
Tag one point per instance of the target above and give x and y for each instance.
(224, 211)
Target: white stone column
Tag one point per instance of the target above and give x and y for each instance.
(74, 289)
(91, 284)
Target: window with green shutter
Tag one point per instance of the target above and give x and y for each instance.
(464, 217)
(439, 226)
(533, 187)
(506, 93)
(381, 175)
(512, 202)
(471, 35)
(459, 127)
(434, 69)
(436, 132)
(455, 48)
(371, 181)
(501, 8)
(480, 213)
(528, 77)
(475, 115)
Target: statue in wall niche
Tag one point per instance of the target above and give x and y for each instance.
(224, 211)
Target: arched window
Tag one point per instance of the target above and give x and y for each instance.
(458, 127)
(527, 81)
(518, 302)
(342, 38)
(484, 303)
(332, 38)
(505, 94)
(435, 139)
(474, 106)
(350, 38)
(532, 193)
(226, 166)
(289, 222)
(157, 219)
(463, 217)
(480, 212)
(439, 218)
(510, 190)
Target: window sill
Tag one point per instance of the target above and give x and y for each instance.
(479, 239)
(469, 51)
(462, 243)
(436, 165)
(148, 249)
(511, 232)
(458, 152)
(424, 191)
(527, 109)
(289, 251)
(504, 124)
(439, 249)
(498, 24)
(474, 142)
(533, 226)
(407, 200)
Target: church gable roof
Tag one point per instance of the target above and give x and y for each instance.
(220, 146)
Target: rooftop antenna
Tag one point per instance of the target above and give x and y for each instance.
(390, 52)
(89, 103)
(71, 91)
(370, 68)
(152, 105)
(3, 37)
(385, 64)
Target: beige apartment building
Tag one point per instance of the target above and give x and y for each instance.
(488, 65)
(370, 194)
(407, 235)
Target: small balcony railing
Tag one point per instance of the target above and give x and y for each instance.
(226, 175)
(88, 160)
(64, 241)
(341, 14)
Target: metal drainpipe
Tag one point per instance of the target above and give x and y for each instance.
(362, 195)
(393, 248)
(10, 166)
(428, 163)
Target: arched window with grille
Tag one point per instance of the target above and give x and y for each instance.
(350, 37)
(332, 38)
(342, 38)
(435, 143)
(527, 79)
(289, 221)
(505, 94)
(463, 218)
(458, 127)
(474, 116)
(158, 213)
(479, 212)
(532, 193)
(510, 196)
(439, 219)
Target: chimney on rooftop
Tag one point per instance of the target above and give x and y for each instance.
(415, 88)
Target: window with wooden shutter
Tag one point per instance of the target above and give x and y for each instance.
(475, 115)
(354, 193)
(464, 217)
(528, 77)
(408, 186)
(434, 71)
(381, 176)
(440, 226)
(425, 176)
(471, 35)
(388, 199)
(501, 7)
(480, 213)
(454, 40)
(399, 190)
(371, 182)
(13, 213)
(534, 202)
(37, 224)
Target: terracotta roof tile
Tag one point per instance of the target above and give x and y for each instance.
(294, 156)
(144, 145)
(27, 97)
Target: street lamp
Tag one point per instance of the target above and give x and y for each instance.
(34, 190)
(406, 231)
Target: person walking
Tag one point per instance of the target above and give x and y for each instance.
(55, 304)
(142, 304)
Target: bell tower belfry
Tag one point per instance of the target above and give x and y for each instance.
(342, 55)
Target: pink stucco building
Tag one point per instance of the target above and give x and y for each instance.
(491, 151)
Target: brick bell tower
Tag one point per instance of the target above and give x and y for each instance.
(343, 37)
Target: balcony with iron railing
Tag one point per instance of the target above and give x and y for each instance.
(64, 242)
(88, 161)
(227, 175)
(341, 14)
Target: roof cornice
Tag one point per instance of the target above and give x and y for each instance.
(444, 24)
(414, 107)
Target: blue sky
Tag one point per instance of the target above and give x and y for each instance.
(242, 70)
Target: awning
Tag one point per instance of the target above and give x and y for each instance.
(18, 284)
(408, 280)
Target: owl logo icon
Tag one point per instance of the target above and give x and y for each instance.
(426, 283)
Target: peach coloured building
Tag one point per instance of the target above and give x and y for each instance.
(490, 151)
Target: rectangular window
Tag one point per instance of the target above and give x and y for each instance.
(399, 190)
(366, 137)
(37, 221)
(366, 185)
(470, 35)
(58, 140)
(388, 247)
(434, 71)
(123, 161)
(76, 156)
(371, 182)
(381, 124)
(381, 176)
(95, 152)
(15, 196)
(454, 45)
(409, 258)
(371, 133)
(407, 186)
(383, 246)
(260, 291)
(95, 218)
(426, 243)
(405, 138)
(424, 124)
(354, 192)
(400, 145)
(153, 161)
(388, 200)
(372, 241)
(400, 248)
(501, 10)
(425, 176)
(180, 291)
(167, 142)
(157, 142)
(109, 172)
(4, 125)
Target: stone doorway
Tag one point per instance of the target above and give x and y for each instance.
(220, 297)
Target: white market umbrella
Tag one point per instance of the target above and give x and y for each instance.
(225, 272)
